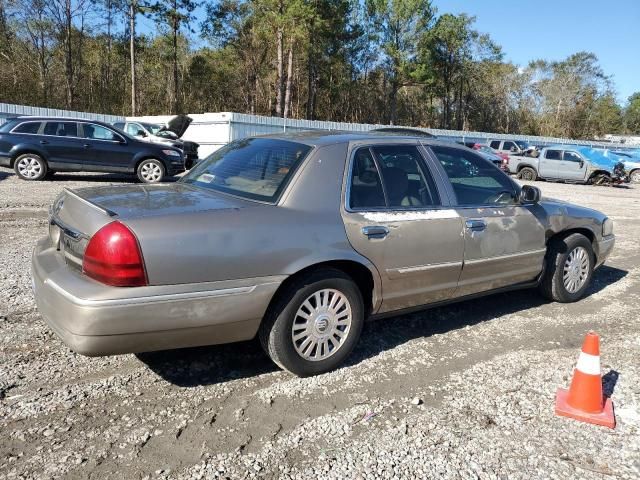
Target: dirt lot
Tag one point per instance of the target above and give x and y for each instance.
(465, 391)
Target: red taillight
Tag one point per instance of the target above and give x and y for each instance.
(113, 257)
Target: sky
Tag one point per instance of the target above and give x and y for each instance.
(553, 30)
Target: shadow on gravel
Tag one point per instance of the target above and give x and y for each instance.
(609, 381)
(6, 174)
(192, 367)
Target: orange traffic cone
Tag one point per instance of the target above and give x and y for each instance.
(584, 400)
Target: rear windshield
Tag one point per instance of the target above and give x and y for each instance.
(254, 168)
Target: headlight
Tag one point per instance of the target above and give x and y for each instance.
(171, 153)
(607, 227)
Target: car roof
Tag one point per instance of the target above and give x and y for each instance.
(318, 138)
(58, 119)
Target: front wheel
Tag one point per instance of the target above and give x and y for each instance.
(569, 268)
(314, 324)
(150, 171)
(634, 177)
(601, 179)
(528, 174)
(30, 167)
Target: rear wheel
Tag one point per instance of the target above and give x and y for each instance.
(314, 324)
(528, 174)
(30, 166)
(150, 171)
(570, 262)
(634, 176)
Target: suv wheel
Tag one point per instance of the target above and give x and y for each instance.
(570, 261)
(635, 176)
(528, 174)
(150, 171)
(30, 166)
(315, 324)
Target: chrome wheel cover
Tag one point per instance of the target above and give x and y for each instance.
(635, 177)
(30, 167)
(576, 269)
(151, 172)
(321, 325)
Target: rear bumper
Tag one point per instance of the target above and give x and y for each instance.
(94, 319)
(605, 247)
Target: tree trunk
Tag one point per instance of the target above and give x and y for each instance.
(287, 97)
(176, 95)
(68, 55)
(133, 7)
(280, 73)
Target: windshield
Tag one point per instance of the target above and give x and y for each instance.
(152, 127)
(254, 168)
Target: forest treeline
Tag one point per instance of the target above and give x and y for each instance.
(371, 61)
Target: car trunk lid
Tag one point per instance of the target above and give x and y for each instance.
(76, 215)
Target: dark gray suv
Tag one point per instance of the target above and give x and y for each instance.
(37, 146)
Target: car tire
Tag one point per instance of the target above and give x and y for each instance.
(293, 331)
(569, 268)
(150, 171)
(528, 174)
(601, 179)
(30, 166)
(634, 176)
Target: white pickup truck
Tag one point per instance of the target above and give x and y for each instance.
(571, 163)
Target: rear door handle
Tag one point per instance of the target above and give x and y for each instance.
(475, 225)
(87, 145)
(375, 231)
(43, 142)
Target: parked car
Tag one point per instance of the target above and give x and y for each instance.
(571, 163)
(39, 146)
(499, 159)
(298, 239)
(169, 134)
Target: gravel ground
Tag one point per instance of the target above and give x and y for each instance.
(465, 391)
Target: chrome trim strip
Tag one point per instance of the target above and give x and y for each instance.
(66, 229)
(87, 202)
(507, 256)
(83, 302)
(431, 266)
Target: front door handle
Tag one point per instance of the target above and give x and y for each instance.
(87, 145)
(43, 142)
(375, 231)
(475, 225)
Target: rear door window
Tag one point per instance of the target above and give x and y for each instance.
(553, 155)
(61, 129)
(27, 127)
(495, 144)
(365, 184)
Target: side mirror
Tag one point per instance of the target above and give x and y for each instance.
(581, 163)
(529, 195)
(141, 133)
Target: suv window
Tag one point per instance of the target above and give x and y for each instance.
(27, 127)
(495, 144)
(61, 129)
(509, 146)
(553, 155)
(132, 129)
(119, 125)
(475, 181)
(404, 181)
(98, 132)
(572, 157)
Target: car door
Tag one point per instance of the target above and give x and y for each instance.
(395, 216)
(572, 166)
(549, 163)
(504, 242)
(105, 149)
(63, 145)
